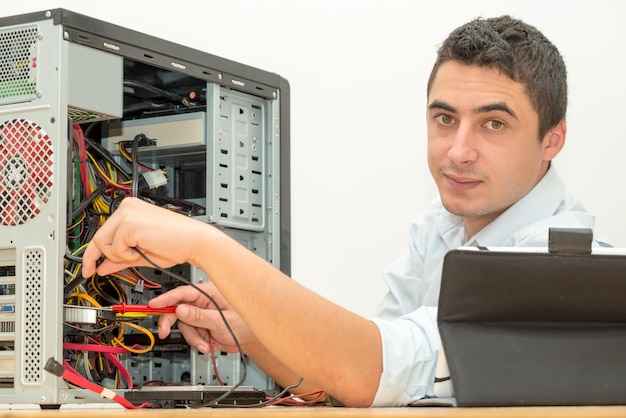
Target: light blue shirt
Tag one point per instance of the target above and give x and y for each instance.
(406, 316)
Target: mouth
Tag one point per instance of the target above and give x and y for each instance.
(461, 183)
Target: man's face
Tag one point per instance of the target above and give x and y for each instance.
(483, 147)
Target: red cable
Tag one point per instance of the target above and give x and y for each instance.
(74, 377)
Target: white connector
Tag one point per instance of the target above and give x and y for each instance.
(155, 178)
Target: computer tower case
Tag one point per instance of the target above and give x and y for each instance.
(83, 104)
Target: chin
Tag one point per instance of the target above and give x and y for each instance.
(454, 208)
(463, 208)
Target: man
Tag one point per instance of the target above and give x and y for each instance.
(497, 98)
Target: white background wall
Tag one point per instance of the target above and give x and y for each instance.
(358, 71)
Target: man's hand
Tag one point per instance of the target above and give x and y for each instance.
(198, 316)
(167, 238)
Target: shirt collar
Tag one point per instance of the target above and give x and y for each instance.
(541, 202)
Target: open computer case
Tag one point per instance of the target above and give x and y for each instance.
(85, 105)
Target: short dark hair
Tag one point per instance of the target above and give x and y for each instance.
(519, 51)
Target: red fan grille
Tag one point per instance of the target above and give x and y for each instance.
(26, 169)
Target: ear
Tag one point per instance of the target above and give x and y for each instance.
(554, 141)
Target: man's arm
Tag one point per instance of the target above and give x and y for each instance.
(336, 350)
(197, 313)
(330, 347)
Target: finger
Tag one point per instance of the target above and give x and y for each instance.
(195, 337)
(100, 248)
(212, 323)
(107, 267)
(165, 323)
(91, 255)
(122, 247)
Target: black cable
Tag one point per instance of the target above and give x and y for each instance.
(140, 106)
(269, 401)
(78, 259)
(107, 156)
(221, 313)
(90, 128)
(100, 286)
(153, 89)
(87, 201)
(74, 258)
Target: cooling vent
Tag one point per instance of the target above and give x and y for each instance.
(32, 321)
(18, 64)
(81, 116)
(26, 170)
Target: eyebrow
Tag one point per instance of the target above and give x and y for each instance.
(500, 106)
(437, 104)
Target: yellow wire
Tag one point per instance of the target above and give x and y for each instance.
(82, 247)
(122, 149)
(94, 287)
(133, 315)
(117, 290)
(122, 278)
(97, 289)
(101, 361)
(74, 273)
(82, 217)
(99, 169)
(118, 340)
(76, 270)
(86, 297)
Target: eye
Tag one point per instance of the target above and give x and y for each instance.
(444, 119)
(494, 125)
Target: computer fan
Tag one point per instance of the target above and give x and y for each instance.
(26, 171)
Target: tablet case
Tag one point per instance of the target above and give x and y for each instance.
(534, 328)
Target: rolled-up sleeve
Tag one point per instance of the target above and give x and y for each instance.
(410, 350)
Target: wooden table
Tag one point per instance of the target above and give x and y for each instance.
(320, 412)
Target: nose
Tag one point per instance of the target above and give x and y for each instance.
(463, 146)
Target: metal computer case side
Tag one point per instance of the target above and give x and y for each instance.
(33, 189)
